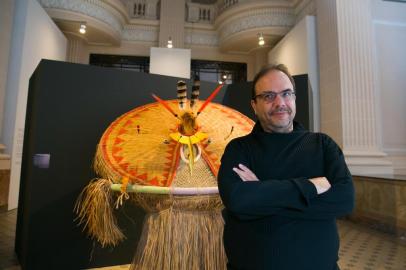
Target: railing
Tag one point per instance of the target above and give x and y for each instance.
(200, 13)
(205, 14)
(138, 10)
(224, 4)
(143, 9)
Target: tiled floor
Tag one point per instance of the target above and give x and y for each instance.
(361, 248)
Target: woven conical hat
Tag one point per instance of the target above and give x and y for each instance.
(137, 144)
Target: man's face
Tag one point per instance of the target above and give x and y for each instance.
(276, 115)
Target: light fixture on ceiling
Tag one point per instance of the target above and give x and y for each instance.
(261, 41)
(82, 28)
(170, 45)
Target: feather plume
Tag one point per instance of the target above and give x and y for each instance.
(195, 92)
(182, 95)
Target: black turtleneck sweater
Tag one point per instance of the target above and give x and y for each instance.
(279, 222)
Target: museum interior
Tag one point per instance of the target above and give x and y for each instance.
(94, 173)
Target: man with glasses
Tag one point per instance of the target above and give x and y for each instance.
(282, 186)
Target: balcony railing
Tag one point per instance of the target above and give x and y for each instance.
(142, 9)
(225, 4)
(201, 13)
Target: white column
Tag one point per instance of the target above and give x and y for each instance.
(260, 55)
(76, 49)
(172, 23)
(348, 83)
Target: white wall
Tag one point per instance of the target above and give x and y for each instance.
(6, 23)
(298, 51)
(389, 22)
(34, 37)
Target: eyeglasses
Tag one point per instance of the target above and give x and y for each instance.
(270, 96)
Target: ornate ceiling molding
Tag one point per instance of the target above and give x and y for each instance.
(92, 8)
(306, 7)
(141, 33)
(201, 38)
(256, 18)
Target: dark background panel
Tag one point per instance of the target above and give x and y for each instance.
(238, 97)
(69, 108)
(302, 100)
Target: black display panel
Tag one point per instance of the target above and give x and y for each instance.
(69, 107)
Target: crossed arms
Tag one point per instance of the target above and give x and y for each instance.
(328, 196)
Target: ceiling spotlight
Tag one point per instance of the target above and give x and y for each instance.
(261, 41)
(220, 82)
(224, 76)
(170, 45)
(82, 28)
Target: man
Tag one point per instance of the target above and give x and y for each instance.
(282, 186)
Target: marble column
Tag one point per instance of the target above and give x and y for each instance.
(260, 55)
(172, 23)
(348, 83)
(75, 49)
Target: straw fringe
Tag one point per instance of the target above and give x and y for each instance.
(175, 238)
(94, 210)
(101, 167)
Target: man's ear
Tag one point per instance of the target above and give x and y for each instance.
(253, 105)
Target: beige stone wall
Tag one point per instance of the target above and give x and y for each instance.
(381, 203)
(330, 94)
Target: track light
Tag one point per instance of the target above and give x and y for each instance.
(170, 45)
(261, 41)
(82, 28)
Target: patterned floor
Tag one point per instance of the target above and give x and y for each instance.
(361, 248)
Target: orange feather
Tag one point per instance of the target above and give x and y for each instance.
(210, 98)
(163, 102)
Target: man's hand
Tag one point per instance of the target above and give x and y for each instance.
(321, 183)
(245, 174)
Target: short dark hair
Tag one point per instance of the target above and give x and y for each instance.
(267, 68)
